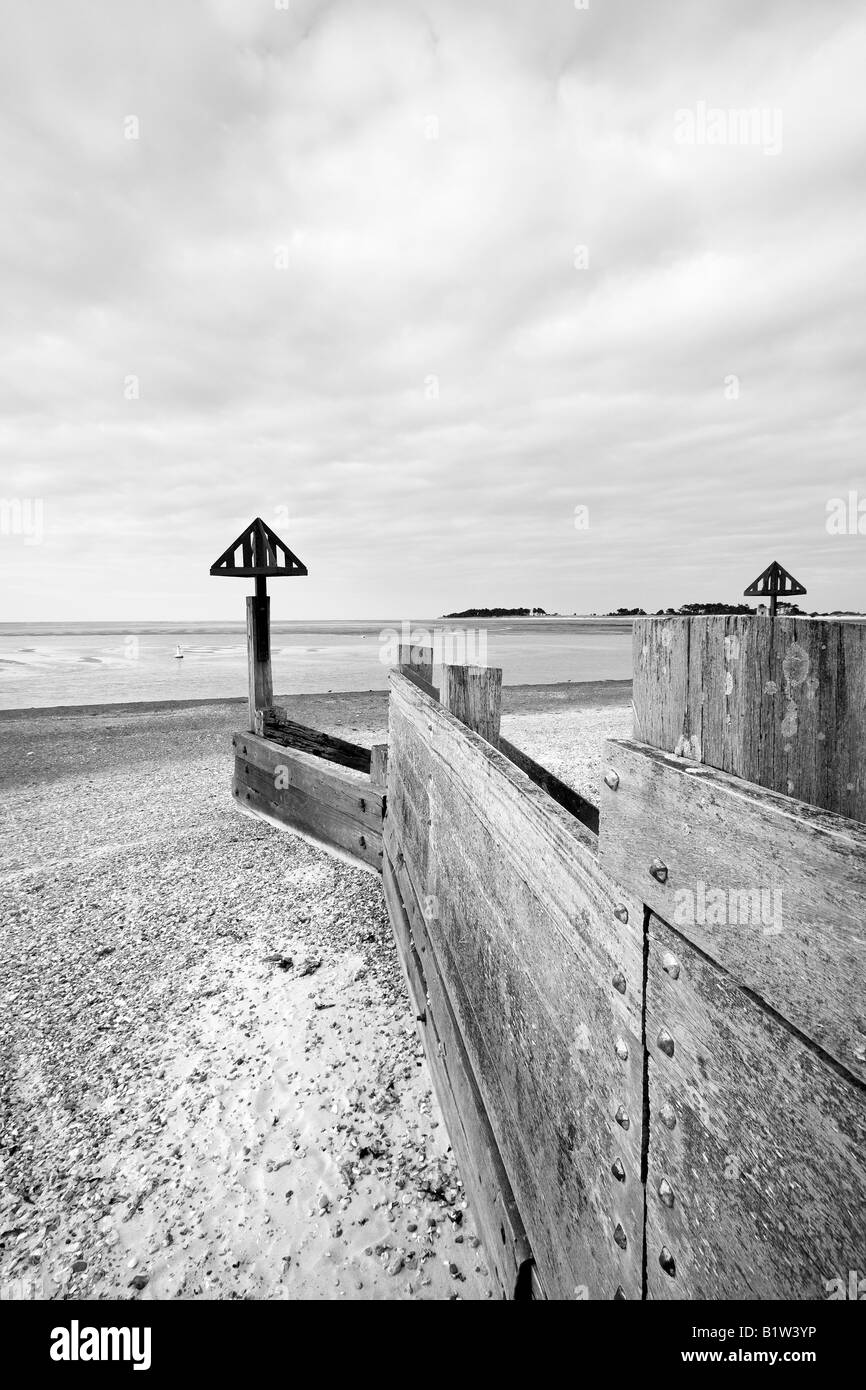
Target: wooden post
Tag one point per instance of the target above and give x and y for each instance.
(777, 703)
(419, 660)
(379, 765)
(261, 688)
(473, 694)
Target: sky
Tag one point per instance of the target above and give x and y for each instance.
(497, 303)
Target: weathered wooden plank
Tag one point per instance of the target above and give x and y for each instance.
(279, 729)
(771, 888)
(417, 659)
(261, 689)
(343, 789)
(379, 764)
(310, 815)
(566, 796)
(473, 694)
(756, 1182)
(781, 703)
(488, 1190)
(534, 959)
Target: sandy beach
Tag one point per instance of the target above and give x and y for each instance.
(212, 1085)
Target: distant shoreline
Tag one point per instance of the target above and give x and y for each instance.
(579, 694)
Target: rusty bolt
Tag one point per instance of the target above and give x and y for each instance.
(667, 1262)
(666, 1192)
(659, 871)
(665, 1042)
(611, 779)
(619, 982)
(620, 1047)
(618, 1170)
(668, 1116)
(671, 965)
(620, 1237)
(620, 912)
(622, 1118)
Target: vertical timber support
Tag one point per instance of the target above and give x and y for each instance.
(737, 815)
(261, 687)
(418, 661)
(379, 765)
(473, 694)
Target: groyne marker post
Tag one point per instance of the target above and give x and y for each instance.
(258, 553)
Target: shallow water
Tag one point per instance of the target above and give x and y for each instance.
(43, 664)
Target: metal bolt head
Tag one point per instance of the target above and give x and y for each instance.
(620, 1047)
(611, 779)
(659, 871)
(618, 1170)
(671, 965)
(665, 1042)
(668, 1116)
(619, 982)
(619, 1296)
(620, 1237)
(667, 1262)
(622, 1118)
(620, 912)
(666, 1192)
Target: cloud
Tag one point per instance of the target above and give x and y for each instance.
(428, 277)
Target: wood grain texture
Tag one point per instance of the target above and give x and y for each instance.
(305, 794)
(278, 728)
(772, 889)
(755, 1182)
(473, 694)
(261, 689)
(781, 703)
(545, 983)
(417, 659)
(486, 1183)
(379, 764)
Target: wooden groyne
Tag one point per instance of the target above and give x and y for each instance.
(644, 1020)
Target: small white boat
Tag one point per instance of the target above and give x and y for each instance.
(178, 654)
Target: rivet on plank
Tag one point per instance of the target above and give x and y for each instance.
(619, 982)
(619, 1296)
(620, 912)
(622, 1118)
(671, 965)
(665, 1042)
(668, 1116)
(620, 1237)
(666, 1192)
(611, 779)
(659, 871)
(667, 1262)
(618, 1170)
(620, 1047)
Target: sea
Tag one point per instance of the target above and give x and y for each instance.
(51, 664)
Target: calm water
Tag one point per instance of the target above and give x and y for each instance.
(104, 663)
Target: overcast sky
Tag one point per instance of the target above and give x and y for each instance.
(414, 281)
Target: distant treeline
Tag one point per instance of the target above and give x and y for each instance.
(501, 613)
(691, 610)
